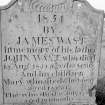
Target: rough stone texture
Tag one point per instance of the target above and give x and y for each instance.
(50, 51)
(100, 90)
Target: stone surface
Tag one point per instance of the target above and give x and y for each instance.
(100, 90)
(50, 52)
(102, 61)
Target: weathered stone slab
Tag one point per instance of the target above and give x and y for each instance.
(50, 52)
(100, 89)
(102, 61)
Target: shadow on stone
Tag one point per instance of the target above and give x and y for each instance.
(100, 92)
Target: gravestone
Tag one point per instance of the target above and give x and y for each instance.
(100, 90)
(102, 60)
(50, 52)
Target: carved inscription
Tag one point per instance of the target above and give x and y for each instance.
(50, 52)
(50, 5)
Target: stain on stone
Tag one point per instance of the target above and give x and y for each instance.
(91, 91)
(100, 98)
(16, 16)
(10, 20)
(100, 92)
